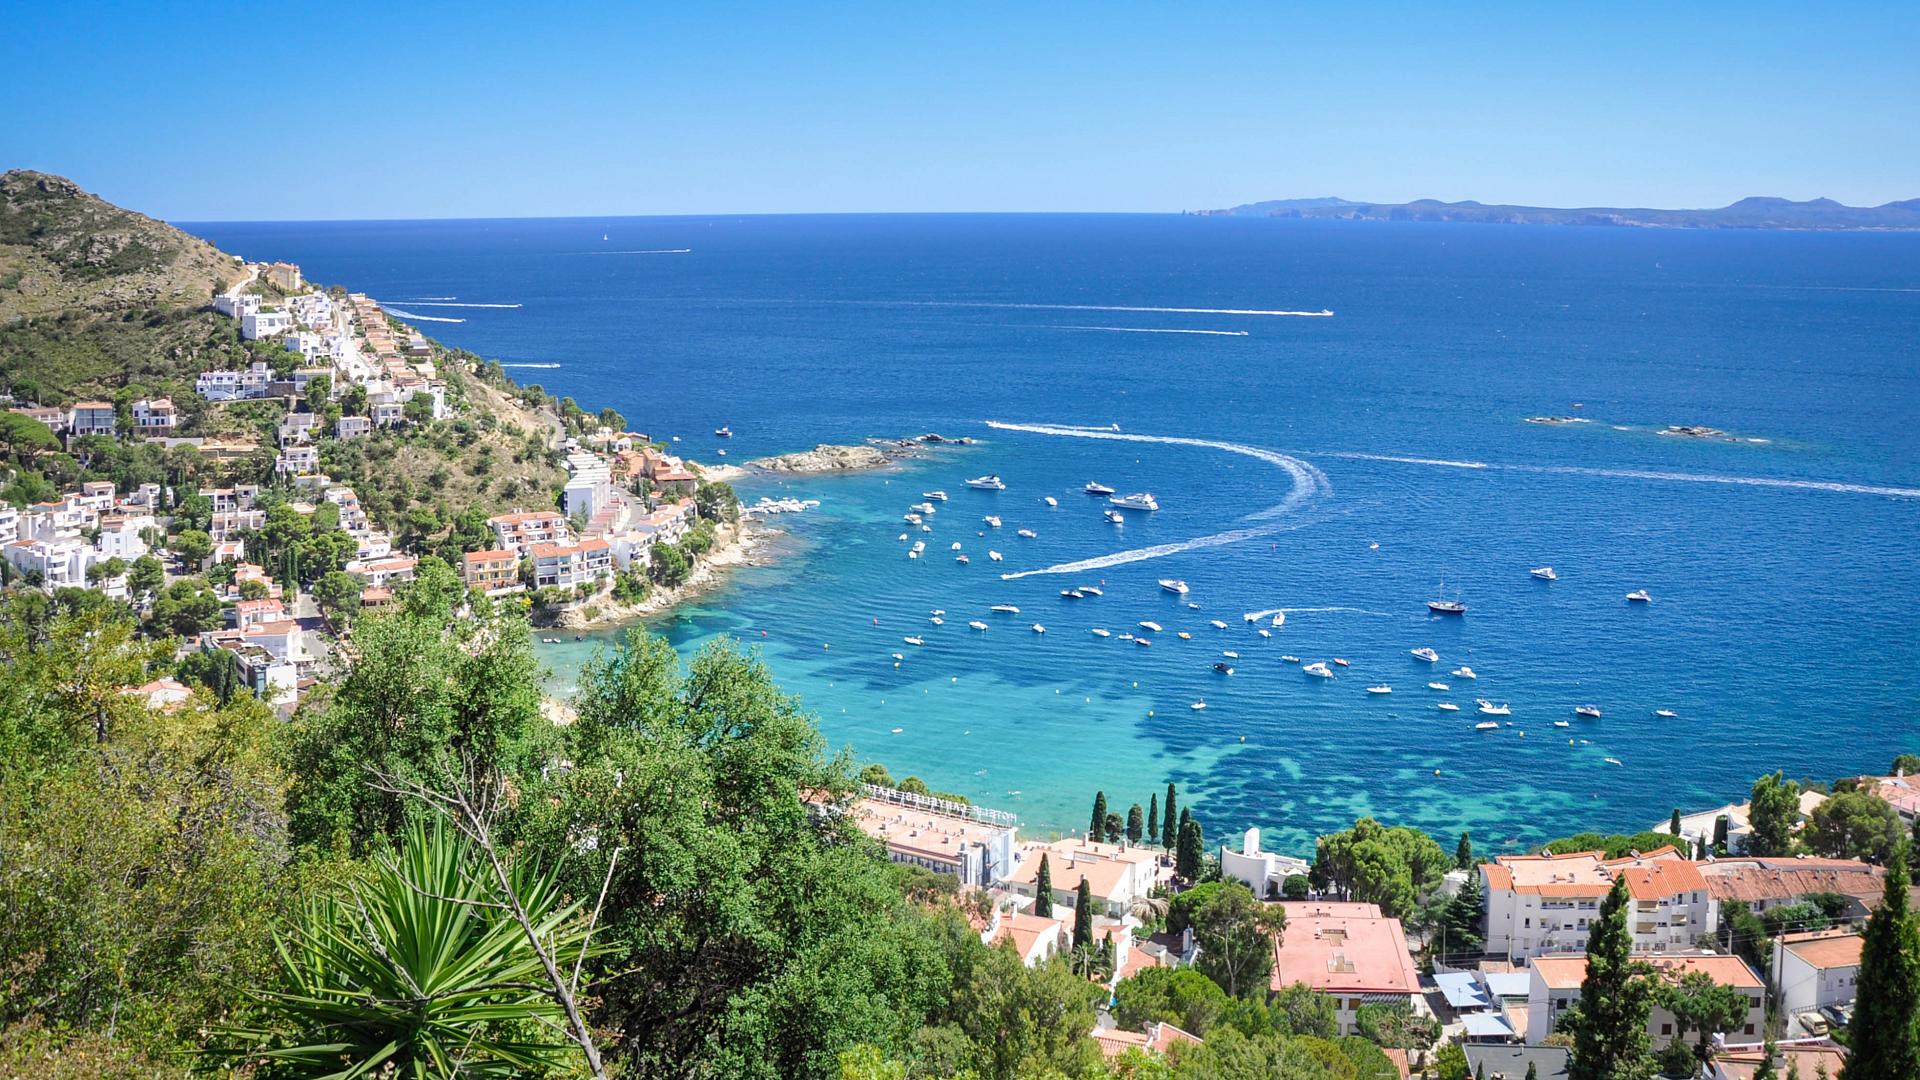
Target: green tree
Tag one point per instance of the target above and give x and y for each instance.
(192, 546)
(1296, 887)
(1083, 915)
(1180, 996)
(1024, 1022)
(1463, 852)
(1767, 1055)
(26, 438)
(1450, 1063)
(1297, 1010)
(1774, 809)
(1460, 924)
(1704, 1006)
(337, 592)
(1235, 932)
(1673, 826)
(1168, 819)
(1394, 1025)
(1609, 1024)
(1854, 825)
(1720, 826)
(1043, 889)
(1391, 867)
(1192, 853)
(1136, 823)
(185, 608)
(1153, 818)
(1886, 1010)
(146, 575)
(1097, 826)
(667, 566)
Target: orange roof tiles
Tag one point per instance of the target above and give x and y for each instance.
(1825, 948)
(1569, 971)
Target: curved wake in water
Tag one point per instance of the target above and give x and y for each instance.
(442, 303)
(398, 314)
(1645, 474)
(1258, 616)
(1308, 482)
(541, 366)
(1323, 313)
(1152, 330)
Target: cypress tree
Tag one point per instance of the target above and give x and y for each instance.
(1463, 852)
(1533, 1071)
(1043, 889)
(1083, 914)
(1886, 1008)
(1192, 854)
(1167, 835)
(1674, 825)
(1610, 1038)
(1098, 829)
(1153, 818)
(1480, 1071)
(1720, 836)
(1136, 823)
(1765, 1071)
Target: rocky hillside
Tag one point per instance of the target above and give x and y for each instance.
(63, 248)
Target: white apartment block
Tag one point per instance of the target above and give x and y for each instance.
(1815, 969)
(236, 305)
(566, 566)
(155, 417)
(1539, 904)
(297, 459)
(61, 564)
(234, 385)
(93, 418)
(517, 531)
(1555, 987)
(265, 324)
(9, 524)
(120, 536)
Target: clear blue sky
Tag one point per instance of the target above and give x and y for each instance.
(279, 111)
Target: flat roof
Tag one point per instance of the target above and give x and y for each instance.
(1338, 953)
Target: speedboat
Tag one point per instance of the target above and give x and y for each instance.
(1318, 670)
(1149, 624)
(1591, 712)
(1639, 596)
(919, 545)
(1428, 655)
(1612, 761)
(994, 555)
(1051, 501)
(1216, 624)
(1141, 641)
(1197, 706)
(1464, 672)
(1289, 659)
(1038, 629)
(922, 508)
(1094, 487)
(1491, 709)
(1665, 714)
(991, 520)
(1279, 619)
(1447, 706)
(911, 518)
(1561, 723)
(1124, 636)
(1174, 585)
(1027, 534)
(724, 432)
(911, 640)
(1092, 590)
(1100, 631)
(977, 625)
(1072, 594)
(937, 621)
(1438, 686)
(934, 496)
(1343, 661)
(1139, 500)
(1383, 688)
(962, 560)
(913, 554)
(989, 482)
(938, 611)
(1223, 667)
(1544, 573)
(955, 547)
(1116, 517)
(1184, 636)
(722, 453)
(1486, 725)
(1229, 654)
(1005, 609)
(1263, 632)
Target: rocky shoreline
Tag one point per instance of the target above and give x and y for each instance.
(734, 546)
(872, 454)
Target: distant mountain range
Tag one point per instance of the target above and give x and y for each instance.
(1758, 212)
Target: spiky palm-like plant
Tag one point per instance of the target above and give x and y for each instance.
(419, 971)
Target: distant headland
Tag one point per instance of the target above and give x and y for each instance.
(1758, 212)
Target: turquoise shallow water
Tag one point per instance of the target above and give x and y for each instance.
(1784, 586)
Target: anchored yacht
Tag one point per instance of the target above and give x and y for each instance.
(1428, 655)
(1094, 487)
(1140, 500)
(989, 482)
(1174, 585)
(1544, 573)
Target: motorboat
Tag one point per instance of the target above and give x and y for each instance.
(1561, 723)
(1591, 712)
(1124, 636)
(1092, 590)
(1094, 487)
(934, 496)
(912, 518)
(1318, 670)
(1264, 632)
(1639, 596)
(938, 611)
(1038, 629)
(989, 482)
(1191, 606)
(1279, 619)
(994, 555)
(955, 547)
(1051, 501)
(937, 621)
(1216, 624)
(1464, 672)
(1139, 500)
(903, 537)
(919, 545)
(962, 560)
(1383, 688)
(1115, 517)
(1184, 636)
(1343, 661)
(977, 625)
(925, 509)
(991, 520)
(1174, 585)
(1612, 761)
(1438, 686)
(1491, 709)
(1223, 667)
(1072, 594)
(1027, 534)
(1289, 659)
(913, 554)
(721, 453)
(1447, 706)
(1544, 573)
(898, 656)
(1486, 725)
(1141, 641)
(911, 640)
(1665, 714)
(1149, 624)
(1428, 655)
(724, 432)
(1229, 654)
(1100, 631)
(1005, 609)
(1197, 706)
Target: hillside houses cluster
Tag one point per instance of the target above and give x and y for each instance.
(57, 543)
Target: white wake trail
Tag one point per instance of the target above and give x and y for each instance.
(1323, 313)
(397, 313)
(646, 251)
(1152, 330)
(442, 303)
(1644, 474)
(541, 366)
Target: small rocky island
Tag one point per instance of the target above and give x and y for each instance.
(872, 454)
(1558, 420)
(1697, 431)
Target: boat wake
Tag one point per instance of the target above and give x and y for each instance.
(1645, 474)
(1261, 616)
(397, 313)
(1308, 483)
(443, 303)
(1152, 330)
(1323, 313)
(542, 367)
(645, 251)
(423, 299)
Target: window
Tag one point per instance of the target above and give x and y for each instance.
(1666, 1029)
(1749, 1029)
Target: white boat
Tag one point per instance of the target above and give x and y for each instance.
(903, 537)
(977, 625)
(1072, 594)
(1229, 654)
(962, 560)
(1342, 661)
(1491, 709)
(989, 482)
(1561, 723)
(938, 611)
(1279, 619)
(898, 730)
(1092, 590)
(1447, 706)
(1094, 487)
(1027, 533)
(1038, 629)
(934, 496)
(1265, 633)
(898, 656)
(1665, 714)
(991, 520)
(1174, 585)
(724, 432)
(911, 640)
(1544, 573)
(919, 545)
(994, 555)
(1184, 636)
(1464, 672)
(937, 621)
(1141, 641)
(1005, 609)
(913, 554)
(1591, 712)
(1318, 670)
(1100, 631)
(1612, 761)
(926, 528)
(1216, 624)
(1383, 688)
(1428, 655)
(1639, 596)
(1124, 636)
(1150, 625)
(1116, 517)
(1223, 667)
(1289, 659)
(1197, 706)
(912, 519)
(923, 508)
(1486, 725)
(1438, 686)
(1139, 500)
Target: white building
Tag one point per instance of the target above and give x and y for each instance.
(234, 385)
(517, 531)
(298, 427)
(9, 524)
(1815, 969)
(120, 536)
(236, 305)
(974, 844)
(1556, 980)
(93, 418)
(60, 564)
(1116, 876)
(1261, 871)
(155, 417)
(297, 459)
(569, 565)
(1540, 904)
(265, 324)
(351, 427)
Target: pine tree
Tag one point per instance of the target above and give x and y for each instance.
(1136, 823)
(1167, 820)
(1610, 1033)
(1463, 852)
(1098, 829)
(1886, 1008)
(1153, 818)
(1043, 890)
(1192, 855)
(1083, 914)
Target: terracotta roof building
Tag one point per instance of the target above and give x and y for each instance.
(1348, 951)
(1557, 978)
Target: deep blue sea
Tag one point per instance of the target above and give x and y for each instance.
(1361, 459)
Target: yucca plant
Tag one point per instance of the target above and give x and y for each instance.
(419, 971)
